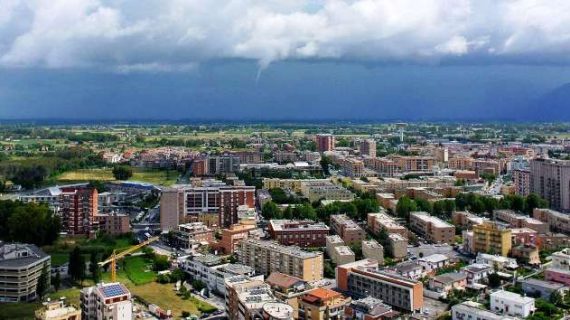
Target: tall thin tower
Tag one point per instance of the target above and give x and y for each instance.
(401, 126)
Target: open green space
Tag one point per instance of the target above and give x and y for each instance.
(139, 270)
(153, 176)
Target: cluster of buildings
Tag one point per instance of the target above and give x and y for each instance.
(83, 210)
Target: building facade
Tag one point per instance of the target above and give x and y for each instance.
(21, 266)
(267, 257)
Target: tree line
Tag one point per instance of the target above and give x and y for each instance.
(28, 223)
(469, 201)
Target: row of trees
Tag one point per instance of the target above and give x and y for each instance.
(356, 209)
(28, 223)
(479, 204)
(469, 201)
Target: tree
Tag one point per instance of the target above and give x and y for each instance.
(28, 223)
(43, 282)
(76, 265)
(325, 163)
(94, 268)
(494, 280)
(198, 285)
(122, 172)
(404, 207)
(424, 205)
(160, 263)
(97, 184)
(270, 211)
(56, 281)
(306, 211)
(534, 201)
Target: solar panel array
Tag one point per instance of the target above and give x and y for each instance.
(113, 290)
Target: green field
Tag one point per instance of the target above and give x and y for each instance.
(153, 176)
(139, 270)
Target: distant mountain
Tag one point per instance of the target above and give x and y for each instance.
(551, 106)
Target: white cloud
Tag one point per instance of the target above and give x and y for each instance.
(169, 35)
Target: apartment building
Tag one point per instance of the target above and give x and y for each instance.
(512, 304)
(352, 168)
(302, 233)
(294, 185)
(189, 234)
(325, 190)
(550, 179)
(559, 269)
(325, 142)
(383, 166)
(367, 148)
(211, 198)
(466, 219)
(347, 229)
(21, 266)
(57, 310)
(398, 245)
(77, 209)
(492, 237)
(267, 257)
(113, 223)
(106, 301)
(379, 221)
(414, 163)
(557, 221)
(519, 221)
(233, 235)
(322, 304)
(371, 249)
(342, 255)
(432, 228)
(362, 278)
(521, 182)
(212, 272)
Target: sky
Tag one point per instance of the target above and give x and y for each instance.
(275, 59)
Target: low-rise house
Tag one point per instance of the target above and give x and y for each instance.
(497, 262)
(512, 304)
(470, 310)
(559, 270)
(321, 304)
(526, 253)
(289, 289)
(409, 269)
(477, 272)
(434, 262)
(58, 310)
(540, 288)
(369, 308)
(445, 283)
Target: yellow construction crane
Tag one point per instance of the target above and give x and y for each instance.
(116, 256)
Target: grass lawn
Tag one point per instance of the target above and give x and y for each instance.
(154, 176)
(59, 251)
(11, 311)
(87, 175)
(139, 270)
